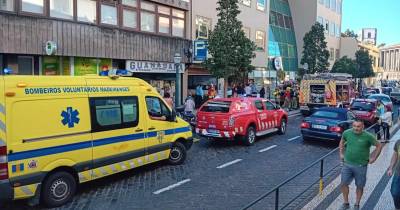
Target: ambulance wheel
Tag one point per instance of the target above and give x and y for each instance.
(58, 189)
(177, 155)
(250, 137)
(282, 127)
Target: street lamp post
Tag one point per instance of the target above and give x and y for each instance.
(177, 62)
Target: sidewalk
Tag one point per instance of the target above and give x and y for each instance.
(377, 190)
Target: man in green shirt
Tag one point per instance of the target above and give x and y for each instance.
(355, 154)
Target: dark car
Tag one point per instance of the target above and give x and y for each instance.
(365, 109)
(385, 100)
(327, 123)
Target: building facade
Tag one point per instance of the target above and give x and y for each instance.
(80, 37)
(328, 13)
(254, 17)
(282, 39)
(390, 62)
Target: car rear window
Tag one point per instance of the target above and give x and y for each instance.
(362, 106)
(217, 106)
(382, 98)
(326, 114)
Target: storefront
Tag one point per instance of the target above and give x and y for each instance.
(161, 75)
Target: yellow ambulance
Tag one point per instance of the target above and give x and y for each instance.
(57, 132)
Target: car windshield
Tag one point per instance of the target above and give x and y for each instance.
(381, 98)
(362, 106)
(217, 106)
(326, 114)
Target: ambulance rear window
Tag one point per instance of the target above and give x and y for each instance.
(114, 113)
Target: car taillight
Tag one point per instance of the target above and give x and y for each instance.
(231, 121)
(305, 125)
(336, 129)
(3, 163)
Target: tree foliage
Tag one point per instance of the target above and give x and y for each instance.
(364, 64)
(349, 33)
(315, 52)
(231, 50)
(345, 65)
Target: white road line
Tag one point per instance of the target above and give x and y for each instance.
(229, 163)
(268, 148)
(294, 115)
(171, 187)
(294, 138)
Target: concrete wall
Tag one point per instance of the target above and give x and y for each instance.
(250, 17)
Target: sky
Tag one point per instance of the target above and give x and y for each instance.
(381, 14)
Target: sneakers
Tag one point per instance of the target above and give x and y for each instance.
(356, 207)
(345, 206)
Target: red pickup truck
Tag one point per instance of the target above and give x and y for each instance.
(247, 118)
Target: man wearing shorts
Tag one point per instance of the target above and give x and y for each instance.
(355, 154)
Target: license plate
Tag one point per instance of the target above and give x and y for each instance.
(322, 127)
(212, 131)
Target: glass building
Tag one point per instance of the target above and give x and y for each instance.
(282, 40)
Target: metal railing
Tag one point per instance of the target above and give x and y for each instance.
(322, 175)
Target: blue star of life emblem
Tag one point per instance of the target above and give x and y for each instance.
(70, 117)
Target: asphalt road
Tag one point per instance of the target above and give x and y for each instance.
(216, 175)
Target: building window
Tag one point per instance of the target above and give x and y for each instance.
(33, 6)
(273, 19)
(178, 27)
(337, 31)
(148, 6)
(62, 9)
(281, 21)
(131, 3)
(261, 5)
(178, 13)
(109, 15)
(164, 10)
(203, 26)
(327, 3)
(320, 20)
(260, 40)
(129, 19)
(7, 5)
(333, 5)
(321, 1)
(337, 56)
(339, 7)
(332, 54)
(326, 26)
(86, 11)
(288, 22)
(246, 31)
(148, 21)
(163, 25)
(245, 2)
(332, 29)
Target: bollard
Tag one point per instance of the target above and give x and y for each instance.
(321, 177)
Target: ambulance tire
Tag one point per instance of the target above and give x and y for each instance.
(282, 127)
(250, 137)
(58, 189)
(177, 155)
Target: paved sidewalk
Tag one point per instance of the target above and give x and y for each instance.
(376, 192)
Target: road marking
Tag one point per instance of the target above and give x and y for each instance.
(171, 186)
(294, 138)
(196, 140)
(294, 115)
(268, 148)
(229, 163)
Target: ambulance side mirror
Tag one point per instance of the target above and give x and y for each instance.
(172, 117)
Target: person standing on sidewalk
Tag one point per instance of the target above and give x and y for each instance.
(394, 170)
(355, 154)
(380, 111)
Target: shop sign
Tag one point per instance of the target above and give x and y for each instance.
(153, 67)
(200, 50)
(89, 66)
(278, 63)
(51, 48)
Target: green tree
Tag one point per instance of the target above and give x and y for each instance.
(345, 65)
(231, 51)
(364, 64)
(315, 52)
(349, 33)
